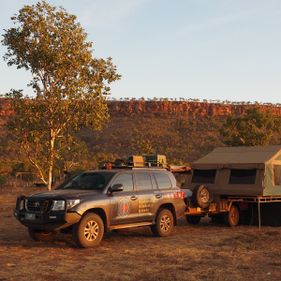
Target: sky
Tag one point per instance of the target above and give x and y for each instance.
(197, 49)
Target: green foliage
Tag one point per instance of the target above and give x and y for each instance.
(18, 167)
(139, 134)
(70, 84)
(3, 180)
(255, 127)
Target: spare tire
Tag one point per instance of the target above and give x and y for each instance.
(201, 196)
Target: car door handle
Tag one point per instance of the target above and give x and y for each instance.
(134, 197)
(158, 196)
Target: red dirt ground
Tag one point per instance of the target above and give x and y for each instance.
(203, 252)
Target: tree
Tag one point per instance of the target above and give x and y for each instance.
(254, 127)
(70, 85)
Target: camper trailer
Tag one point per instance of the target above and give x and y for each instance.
(229, 181)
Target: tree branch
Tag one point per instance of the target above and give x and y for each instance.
(32, 161)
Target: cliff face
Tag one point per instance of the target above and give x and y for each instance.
(189, 108)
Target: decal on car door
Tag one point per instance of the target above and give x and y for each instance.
(123, 208)
(145, 205)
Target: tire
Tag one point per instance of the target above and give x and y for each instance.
(201, 196)
(89, 231)
(232, 217)
(193, 219)
(40, 235)
(164, 225)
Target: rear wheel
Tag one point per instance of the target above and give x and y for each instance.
(164, 225)
(232, 217)
(40, 235)
(89, 231)
(193, 219)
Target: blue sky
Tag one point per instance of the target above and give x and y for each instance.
(205, 49)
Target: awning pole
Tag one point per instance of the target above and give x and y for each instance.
(259, 212)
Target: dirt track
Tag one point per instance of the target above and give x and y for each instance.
(204, 252)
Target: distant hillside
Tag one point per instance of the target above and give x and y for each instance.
(189, 108)
(165, 106)
(183, 130)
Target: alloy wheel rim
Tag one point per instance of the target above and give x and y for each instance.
(204, 196)
(165, 223)
(91, 230)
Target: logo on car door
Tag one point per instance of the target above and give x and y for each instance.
(123, 208)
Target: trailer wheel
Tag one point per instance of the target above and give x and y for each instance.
(193, 219)
(201, 196)
(232, 217)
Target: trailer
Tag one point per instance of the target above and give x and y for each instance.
(234, 185)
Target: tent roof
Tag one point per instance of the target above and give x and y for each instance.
(240, 155)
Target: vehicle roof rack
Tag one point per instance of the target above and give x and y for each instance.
(149, 161)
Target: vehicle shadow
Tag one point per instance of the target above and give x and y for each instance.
(22, 240)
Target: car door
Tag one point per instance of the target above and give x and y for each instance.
(145, 194)
(124, 204)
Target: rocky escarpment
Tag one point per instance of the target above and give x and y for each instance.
(190, 108)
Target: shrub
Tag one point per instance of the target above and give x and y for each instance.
(3, 180)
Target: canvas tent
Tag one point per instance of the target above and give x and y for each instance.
(240, 171)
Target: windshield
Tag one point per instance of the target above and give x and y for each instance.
(89, 180)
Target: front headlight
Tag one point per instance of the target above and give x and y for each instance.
(58, 205)
(71, 203)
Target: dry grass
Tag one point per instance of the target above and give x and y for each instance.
(204, 252)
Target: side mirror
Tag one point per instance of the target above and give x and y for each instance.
(116, 187)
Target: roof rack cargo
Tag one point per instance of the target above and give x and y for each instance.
(154, 161)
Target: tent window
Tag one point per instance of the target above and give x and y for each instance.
(277, 174)
(242, 176)
(204, 176)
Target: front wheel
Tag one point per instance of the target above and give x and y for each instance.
(164, 225)
(89, 231)
(40, 235)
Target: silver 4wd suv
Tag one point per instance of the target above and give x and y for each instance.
(103, 200)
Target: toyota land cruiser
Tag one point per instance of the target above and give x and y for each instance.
(94, 202)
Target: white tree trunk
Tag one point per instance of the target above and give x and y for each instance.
(51, 162)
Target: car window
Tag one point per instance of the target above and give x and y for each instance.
(163, 180)
(154, 184)
(126, 180)
(143, 181)
(95, 181)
